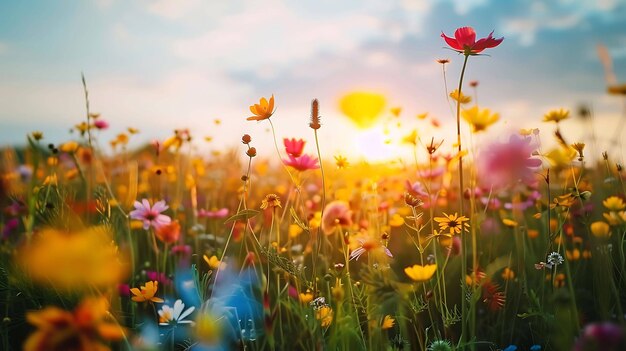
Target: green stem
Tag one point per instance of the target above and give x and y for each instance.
(464, 242)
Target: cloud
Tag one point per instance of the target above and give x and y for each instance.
(261, 37)
(463, 7)
(554, 16)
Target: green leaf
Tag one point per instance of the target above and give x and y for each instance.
(243, 215)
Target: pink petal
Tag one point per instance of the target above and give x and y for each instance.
(160, 206)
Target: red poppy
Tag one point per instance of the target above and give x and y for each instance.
(464, 41)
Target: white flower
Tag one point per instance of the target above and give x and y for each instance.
(169, 315)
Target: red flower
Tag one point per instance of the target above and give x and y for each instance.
(294, 147)
(464, 41)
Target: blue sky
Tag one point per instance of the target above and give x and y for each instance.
(166, 64)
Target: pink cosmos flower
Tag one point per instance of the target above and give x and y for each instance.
(101, 124)
(150, 215)
(213, 214)
(336, 213)
(416, 189)
(505, 164)
(302, 163)
(294, 147)
(464, 41)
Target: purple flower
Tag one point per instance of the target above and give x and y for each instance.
(151, 216)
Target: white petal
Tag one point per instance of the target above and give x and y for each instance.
(178, 308)
(185, 314)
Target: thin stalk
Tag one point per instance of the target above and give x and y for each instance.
(463, 241)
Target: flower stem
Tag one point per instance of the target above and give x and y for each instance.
(464, 242)
(317, 243)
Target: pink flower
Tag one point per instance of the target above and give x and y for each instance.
(505, 164)
(221, 213)
(150, 215)
(294, 147)
(464, 41)
(302, 163)
(101, 124)
(336, 213)
(416, 189)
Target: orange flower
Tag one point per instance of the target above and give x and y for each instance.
(146, 293)
(262, 110)
(168, 233)
(85, 329)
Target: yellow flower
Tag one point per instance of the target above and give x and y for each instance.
(572, 255)
(262, 110)
(395, 111)
(146, 293)
(305, 298)
(214, 262)
(411, 138)
(316, 221)
(388, 322)
(600, 229)
(528, 132)
(69, 147)
(479, 118)
(614, 203)
(561, 156)
(337, 291)
(82, 127)
(419, 273)
(121, 139)
(509, 223)
(556, 115)
(37, 135)
(294, 231)
(85, 328)
(271, 201)
(464, 99)
(452, 222)
(324, 314)
(341, 161)
(508, 274)
(615, 217)
(175, 141)
(208, 328)
(396, 220)
(73, 260)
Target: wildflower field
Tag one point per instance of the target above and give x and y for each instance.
(511, 243)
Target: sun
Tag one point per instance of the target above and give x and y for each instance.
(377, 144)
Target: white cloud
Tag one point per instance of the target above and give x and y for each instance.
(462, 7)
(561, 15)
(104, 4)
(275, 36)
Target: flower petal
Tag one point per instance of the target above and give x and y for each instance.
(452, 42)
(465, 36)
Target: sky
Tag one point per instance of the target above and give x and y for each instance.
(165, 64)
